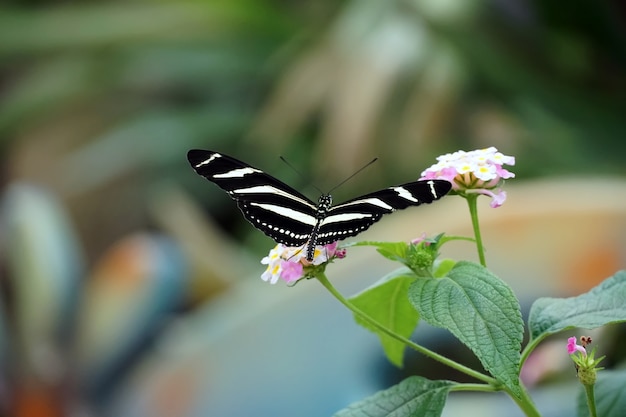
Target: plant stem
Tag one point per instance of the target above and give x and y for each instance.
(321, 277)
(466, 386)
(525, 403)
(472, 200)
(528, 349)
(591, 401)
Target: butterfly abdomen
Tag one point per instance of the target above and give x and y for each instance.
(324, 203)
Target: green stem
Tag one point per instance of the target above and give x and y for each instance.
(524, 402)
(472, 200)
(528, 349)
(466, 386)
(321, 277)
(591, 401)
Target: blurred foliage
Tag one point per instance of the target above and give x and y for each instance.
(100, 100)
(119, 90)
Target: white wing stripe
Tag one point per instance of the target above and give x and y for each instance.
(373, 201)
(287, 212)
(241, 172)
(432, 189)
(268, 189)
(344, 217)
(404, 193)
(208, 161)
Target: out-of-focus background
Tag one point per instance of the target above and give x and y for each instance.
(130, 286)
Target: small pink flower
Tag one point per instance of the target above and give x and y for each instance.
(330, 251)
(331, 248)
(504, 174)
(573, 347)
(419, 239)
(291, 271)
(333, 252)
(497, 199)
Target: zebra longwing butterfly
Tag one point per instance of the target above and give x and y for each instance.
(289, 217)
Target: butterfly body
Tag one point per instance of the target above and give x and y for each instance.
(288, 217)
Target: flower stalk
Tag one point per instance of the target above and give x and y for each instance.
(472, 202)
(591, 401)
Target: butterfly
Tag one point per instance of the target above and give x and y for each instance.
(288, 217)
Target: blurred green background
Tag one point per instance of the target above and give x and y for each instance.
(108, 237)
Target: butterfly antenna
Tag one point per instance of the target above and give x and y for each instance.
(353, 175)
(299, 173)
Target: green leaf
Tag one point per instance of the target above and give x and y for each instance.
(443, 267)
(396, 251)
(609, 395)
(602, 305)
(413, 397)
(481, 311)
(387, 303)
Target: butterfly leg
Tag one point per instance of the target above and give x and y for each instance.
(297, 252)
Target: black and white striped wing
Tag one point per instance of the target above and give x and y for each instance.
(356, 215)
(272, 206)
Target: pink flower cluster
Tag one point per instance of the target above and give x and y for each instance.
(288, 263)
(479, 171)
